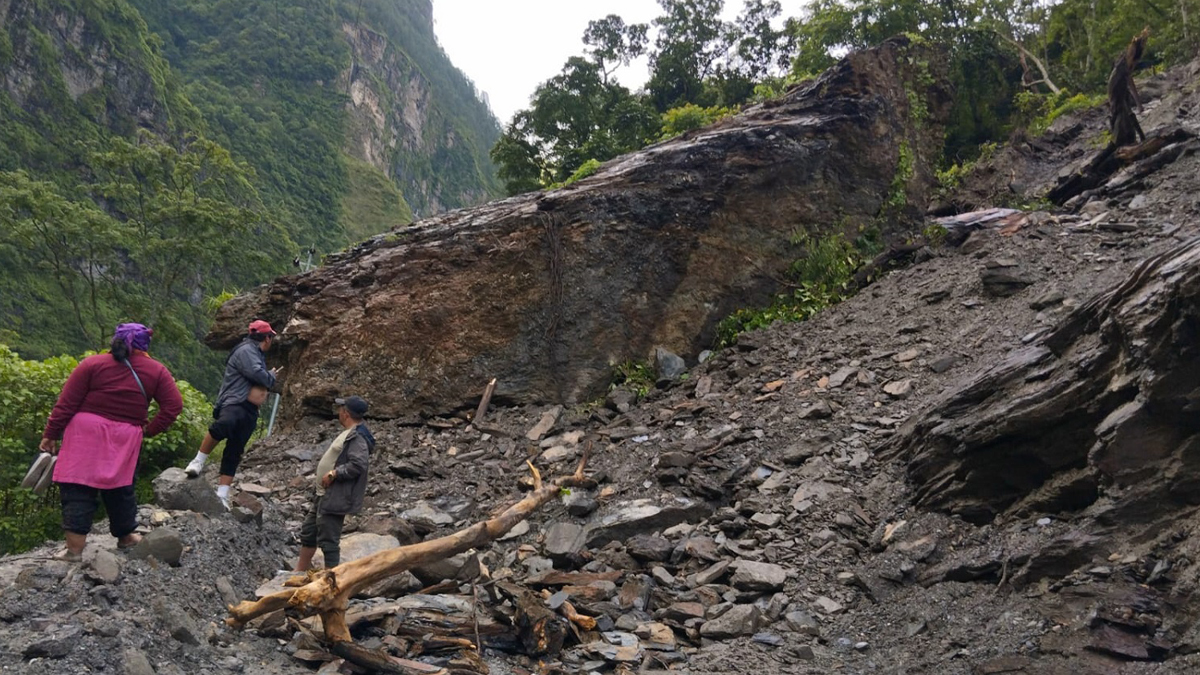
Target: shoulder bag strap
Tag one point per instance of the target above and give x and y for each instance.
(136, 379)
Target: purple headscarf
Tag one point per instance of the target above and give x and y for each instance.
(134, 335)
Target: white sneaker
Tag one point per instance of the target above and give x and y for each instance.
(195, 466)
(224, 500)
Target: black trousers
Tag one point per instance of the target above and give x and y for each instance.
(233, 424)
(323, 531)
(79, 506)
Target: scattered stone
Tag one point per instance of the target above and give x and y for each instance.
(828, 605)
(766, 520)
(769, 639)
(635, 592)
(739, 620)
(564, 541)
(225, 590)
(558, 453)
(712, 573)
(178, 622)
(580, 504)
(164, 544)
(667, 364)
(426, 517)
(174, 490)
(682, 612)
(544, 424)
(758, 576)
(803, 623)
(362, 544)
(906, 356)
(643, 515)
(1050, 298)
(134, 662)
(104, 567)
(655, 635)
(255, 489)
(818, 411)
(898, 388)
(676, 459)
(799, 452)
(246, 508)
(840, 376)
(649, 547)
(1002, 282)
(56, 645)
(662, 577)
(943, 364)
(518, 530)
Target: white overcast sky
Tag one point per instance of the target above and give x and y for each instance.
(509, 47)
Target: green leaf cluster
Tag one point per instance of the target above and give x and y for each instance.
(819, 278)
(28, 391)
(701, 69)
(637, 376)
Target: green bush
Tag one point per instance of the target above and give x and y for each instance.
(1038, 111)
(637, 376)
(691, 116)
(28, 391)
(821, 276)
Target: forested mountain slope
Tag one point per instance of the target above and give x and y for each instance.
(155, 156)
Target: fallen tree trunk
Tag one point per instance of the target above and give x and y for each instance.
(327, 592)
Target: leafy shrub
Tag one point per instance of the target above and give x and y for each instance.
(822, 278)
(637, 376)
(1038, 111)
(691, 116)
(28, 391)
(586, 169)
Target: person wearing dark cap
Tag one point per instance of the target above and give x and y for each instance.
(235, 416)
(341, 483)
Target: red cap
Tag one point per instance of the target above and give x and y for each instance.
(261, 326)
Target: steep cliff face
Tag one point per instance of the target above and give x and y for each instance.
(396, 127)
(75, 73)
(349, 111)
(547, 292)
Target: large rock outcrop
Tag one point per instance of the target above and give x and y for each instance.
(547, 291)
(1102, 406)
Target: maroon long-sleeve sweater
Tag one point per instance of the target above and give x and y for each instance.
(104, 386)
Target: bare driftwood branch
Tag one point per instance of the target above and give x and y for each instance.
(1025, 53)
(327, 592)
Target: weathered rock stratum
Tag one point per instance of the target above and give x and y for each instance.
(547, 291)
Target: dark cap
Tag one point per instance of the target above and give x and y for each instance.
(355, 404)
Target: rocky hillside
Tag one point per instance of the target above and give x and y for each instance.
(547, 292)
(983, 463)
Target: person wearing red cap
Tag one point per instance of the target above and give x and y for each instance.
(235, 416)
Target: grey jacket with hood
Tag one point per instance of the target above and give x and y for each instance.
(245, 367)
(345, 494)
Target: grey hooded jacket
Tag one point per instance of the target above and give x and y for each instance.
(345, 494)
(245, 367)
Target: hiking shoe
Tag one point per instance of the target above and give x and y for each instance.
(194, 467)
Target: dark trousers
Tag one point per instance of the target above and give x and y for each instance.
(323, 531)
(79, 508)
(233, 424)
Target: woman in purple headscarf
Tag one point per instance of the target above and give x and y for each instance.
(100, 419)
